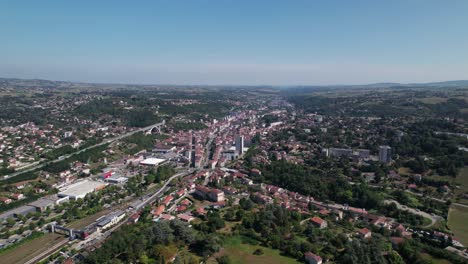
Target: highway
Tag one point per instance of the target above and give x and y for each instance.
(107, 141)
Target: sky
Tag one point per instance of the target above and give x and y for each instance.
(235, 42)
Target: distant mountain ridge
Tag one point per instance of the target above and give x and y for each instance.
(64, 84)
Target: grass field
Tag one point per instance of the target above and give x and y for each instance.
(457, 221)
(431, 259)
(241, 253)
(462, 181)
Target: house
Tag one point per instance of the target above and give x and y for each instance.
(200, 211)
(180, 193)
(216, 195)
(17, 196)
(324, 212)
(185, 218)
(397, 241)
(186, 202)
(311, 258)
(21, 185)
(201, 191)
(158, 211)
(378, 220)
(255, 172)
(167, 200)
(5, 200)
(318, 222)
(167, 217)
(134, 218)
(365, 233)
(181, 208)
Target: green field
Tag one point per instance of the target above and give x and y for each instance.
(241, 253)
(462, 181)
(457, 219)
(433, 260)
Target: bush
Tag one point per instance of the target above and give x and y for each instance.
(258, 252)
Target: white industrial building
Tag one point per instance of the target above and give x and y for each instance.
(110, 220)
(80, 189)
(152, 162)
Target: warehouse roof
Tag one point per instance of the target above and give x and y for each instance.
(152, 161)
(81, 188)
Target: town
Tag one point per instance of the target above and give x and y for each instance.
(263, 171)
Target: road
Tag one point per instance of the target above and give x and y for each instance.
(436, 199)
(107, 141)
(153, 197)
(433, 218)
(421, 195)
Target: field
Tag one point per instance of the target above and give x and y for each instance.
(431, 259)
(25, 251)
(457, 219)
(241, 253)
(462, 181)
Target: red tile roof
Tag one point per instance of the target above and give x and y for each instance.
(317, 220)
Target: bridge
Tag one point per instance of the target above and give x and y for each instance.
(71, 233)
(156, 128)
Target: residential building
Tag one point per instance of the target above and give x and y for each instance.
(311, 258)
(318, 222)
(385, 154)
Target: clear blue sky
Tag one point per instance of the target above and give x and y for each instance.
(235, 42)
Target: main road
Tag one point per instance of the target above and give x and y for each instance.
(107, 141)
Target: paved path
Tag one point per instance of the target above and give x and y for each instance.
(433, 218)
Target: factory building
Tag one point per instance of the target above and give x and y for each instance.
(81, 189)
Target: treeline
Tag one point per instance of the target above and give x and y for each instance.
(385, 104)
(425, 150)
(323, 185)
(100, 108)
(142, 141)
(19, 109)
(5, 171)
(162, 173)
(196, 111)
(148, 243)
(25, 176)
(90, 155)
(61, 151)
(278, 228)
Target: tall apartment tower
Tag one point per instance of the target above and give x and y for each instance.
(385, 154)
(240, 144)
